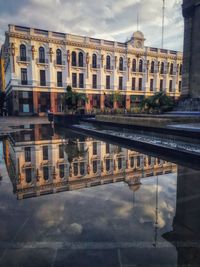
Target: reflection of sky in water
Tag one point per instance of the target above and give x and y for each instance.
(104, 213)
(107, 214)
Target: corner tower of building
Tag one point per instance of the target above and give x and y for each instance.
(191, 59)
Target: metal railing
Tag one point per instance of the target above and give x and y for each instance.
(23, 59)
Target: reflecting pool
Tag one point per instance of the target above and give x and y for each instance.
(68, 199)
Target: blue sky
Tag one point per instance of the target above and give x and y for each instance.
(106, 19)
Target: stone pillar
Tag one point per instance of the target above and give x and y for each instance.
(52, 100)
(102, 102)
(88, 104)
(35, 102)
(128, 102)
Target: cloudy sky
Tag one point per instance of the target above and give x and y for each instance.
(107, 19)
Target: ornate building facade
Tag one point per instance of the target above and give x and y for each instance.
(40, 163)
(39, 64)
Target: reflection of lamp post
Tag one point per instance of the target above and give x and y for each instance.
(156, 218)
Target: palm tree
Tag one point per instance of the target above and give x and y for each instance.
(159, 102)
(72, 99)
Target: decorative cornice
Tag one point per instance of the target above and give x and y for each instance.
(94, 47)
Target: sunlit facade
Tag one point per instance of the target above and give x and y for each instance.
(39, 164)
(39, 65)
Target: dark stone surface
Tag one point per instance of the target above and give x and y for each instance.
(153, 257)
(87, 258)
(27, 258)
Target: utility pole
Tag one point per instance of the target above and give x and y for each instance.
(163, 23)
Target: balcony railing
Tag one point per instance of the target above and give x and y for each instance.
(122, 69)
(24, 82)
(23, 59)
(77, 66)
(108, 68)
(95, 66)
(42, 61)
(62, 63)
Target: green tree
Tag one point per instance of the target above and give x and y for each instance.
(72, 99)
(159, 102)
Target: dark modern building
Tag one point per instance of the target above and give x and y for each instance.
(191, 58)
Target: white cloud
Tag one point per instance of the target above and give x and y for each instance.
(109, 19)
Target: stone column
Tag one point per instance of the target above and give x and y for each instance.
(102, 100)
(128, 102)
(52, 100)
(88, 103)
(35, 102)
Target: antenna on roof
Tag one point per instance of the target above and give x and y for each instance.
(137, 20)
(163, 23)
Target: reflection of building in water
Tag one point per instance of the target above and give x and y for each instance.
(40, 165)
(186, 235)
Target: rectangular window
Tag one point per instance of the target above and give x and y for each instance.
(94, 166)
(82, 168)
(59, 78)
(107, 82)
(94, 148)
(62, 171)
(133, 83)
(74, 80)
(107, 165)
(46, 173)
(42, 78)
(28, 175)
(94, 81)
(151, 85)
(27, 153)
(179, 86)
(81, 80)
(45, 152)
(119, 163)
(24, 77)
(138, 161)
(140, 84)
(170, 85)
(107, 148)
(75, 166)
(161, 85)
(120, 83)
(61, 151)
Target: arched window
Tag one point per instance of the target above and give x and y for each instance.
(108, 62)
(180, 70)
(121, 64)
(58, 57)
(162, 68)
(80, 59)
(152, 67)
(140, 65)
(134, 65)
(41, 55)
(22, 52)
(171, 68)
(73, 58)
(94, 61)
